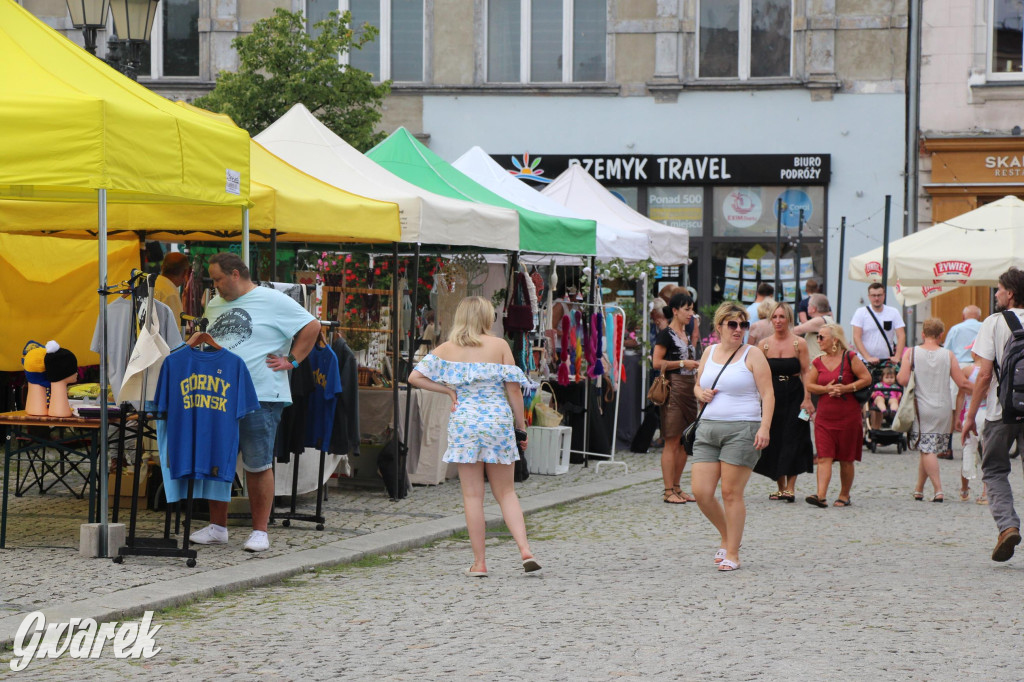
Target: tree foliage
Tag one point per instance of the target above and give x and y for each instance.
(281, 65)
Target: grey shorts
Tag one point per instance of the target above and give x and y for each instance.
(729, 442)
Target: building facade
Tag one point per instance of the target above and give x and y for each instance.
(701, 114)
(972, 112)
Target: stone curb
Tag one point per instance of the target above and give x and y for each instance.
(132, 602)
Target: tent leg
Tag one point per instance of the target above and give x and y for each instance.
(101, 456)
(413, 332)
(245, 236)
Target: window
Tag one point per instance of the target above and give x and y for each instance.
(173, 51)
(745, 39)
(528, 40)
(397, 53)
(1005, 45)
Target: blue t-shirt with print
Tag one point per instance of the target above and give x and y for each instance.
(323, 401)
(203, 395)
(259, 323)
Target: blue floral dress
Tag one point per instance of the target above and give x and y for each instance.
(482, 428)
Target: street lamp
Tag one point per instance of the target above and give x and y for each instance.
(89, 15)
(133, 23)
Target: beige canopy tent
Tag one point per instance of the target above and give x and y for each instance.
(972, 249)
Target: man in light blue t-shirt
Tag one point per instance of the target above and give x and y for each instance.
(272, 334)
(960, 336)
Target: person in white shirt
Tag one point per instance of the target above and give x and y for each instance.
(997, 437)
(876, 345)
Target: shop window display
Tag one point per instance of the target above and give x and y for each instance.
(738, 267)
(751, 211)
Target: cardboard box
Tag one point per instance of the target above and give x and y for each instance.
(127, 481)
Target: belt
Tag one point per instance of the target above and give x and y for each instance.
(786, 377)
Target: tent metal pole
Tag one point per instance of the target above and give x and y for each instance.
(245, 235)
(400, 438)
(101, 456)
(885, 247)
(413, 330)
(839, 282)
(645, 328)
(273, 257)
(778, 248)
(799, 238)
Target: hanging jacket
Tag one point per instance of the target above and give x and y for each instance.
(345, 435)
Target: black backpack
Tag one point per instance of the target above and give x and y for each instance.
(1011, 374)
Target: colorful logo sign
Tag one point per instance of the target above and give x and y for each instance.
(873, 269)
(950, 269)
(528, 170)
(791, 202)
(742, 208)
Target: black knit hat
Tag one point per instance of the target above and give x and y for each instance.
(60, 362)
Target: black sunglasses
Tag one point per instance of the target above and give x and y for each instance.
(820, 337)
(735, 324)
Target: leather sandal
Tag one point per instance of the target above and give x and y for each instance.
(816, 501)
(788, 496)
(670, 496)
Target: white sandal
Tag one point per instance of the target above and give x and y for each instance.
(719, 556)
(728, 565)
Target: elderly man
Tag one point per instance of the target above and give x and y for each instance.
(272, 334)
(997, 437)
(820, 313)
(960, 336)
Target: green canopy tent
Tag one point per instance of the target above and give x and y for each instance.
(409, 159)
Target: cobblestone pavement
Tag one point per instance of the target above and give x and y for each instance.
(42, 567)
(888, 589)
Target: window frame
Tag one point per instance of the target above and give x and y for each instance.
(156, 51)
(384, 39)
(745, 27)
(991, 75)
(526, 43)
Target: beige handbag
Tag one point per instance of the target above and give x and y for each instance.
(544, 414)
(658, 392)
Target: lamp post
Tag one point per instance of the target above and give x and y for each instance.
(133, 22)
(90, 16)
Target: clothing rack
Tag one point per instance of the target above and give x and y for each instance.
(134, 546)
(608, 458)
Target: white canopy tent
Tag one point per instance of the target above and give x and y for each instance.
(576, 189)
(972, 249)
(611, 242)
(428, 218)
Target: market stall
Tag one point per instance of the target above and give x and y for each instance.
(74, 130)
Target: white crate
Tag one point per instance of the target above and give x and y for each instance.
(548, 452)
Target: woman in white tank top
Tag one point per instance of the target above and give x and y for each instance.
(733, 428)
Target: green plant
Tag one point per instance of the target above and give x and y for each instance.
(498, 298)
(356, 336)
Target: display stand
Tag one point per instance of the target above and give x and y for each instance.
(292, 515)
(608, 458)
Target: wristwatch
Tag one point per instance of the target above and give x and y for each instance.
(291, 359)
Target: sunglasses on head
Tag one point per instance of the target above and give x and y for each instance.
(736, 324)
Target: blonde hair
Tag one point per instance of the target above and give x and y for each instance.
(785, 309)
(727, 311)
(933, 327)
(473, 319)
(838, 335)
(766, 308)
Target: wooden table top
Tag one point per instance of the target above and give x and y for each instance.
(22, 418)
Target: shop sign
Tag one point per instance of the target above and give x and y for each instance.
(655, 169)
(792, 202)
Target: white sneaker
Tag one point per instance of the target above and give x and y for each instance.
(258, 542)
(211, 535)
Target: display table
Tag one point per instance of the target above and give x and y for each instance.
(49, 458)
(428, 428)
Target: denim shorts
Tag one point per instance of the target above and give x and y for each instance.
(731, 442)
(257, 432)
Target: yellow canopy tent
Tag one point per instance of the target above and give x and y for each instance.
(48, 291)
(73, 129)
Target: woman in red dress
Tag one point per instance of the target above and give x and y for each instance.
(838, 426)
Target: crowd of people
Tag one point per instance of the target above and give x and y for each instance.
(780, 393)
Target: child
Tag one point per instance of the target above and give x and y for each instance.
(886, 394)
(972, 451)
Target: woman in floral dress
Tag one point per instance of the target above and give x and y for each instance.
(477, 371)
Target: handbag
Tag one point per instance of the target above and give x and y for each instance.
(906, 413)
(862, 395)
(544, 414)
(690, 433)
(518, 312)
(658, 392)
(145, 362)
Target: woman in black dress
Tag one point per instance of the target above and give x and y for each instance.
(789, 452)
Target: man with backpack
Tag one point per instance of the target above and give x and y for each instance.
(999, 356)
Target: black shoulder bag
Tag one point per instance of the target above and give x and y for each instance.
(690, 434)
(861, 394)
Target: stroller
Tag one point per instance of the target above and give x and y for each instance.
(884, 435)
